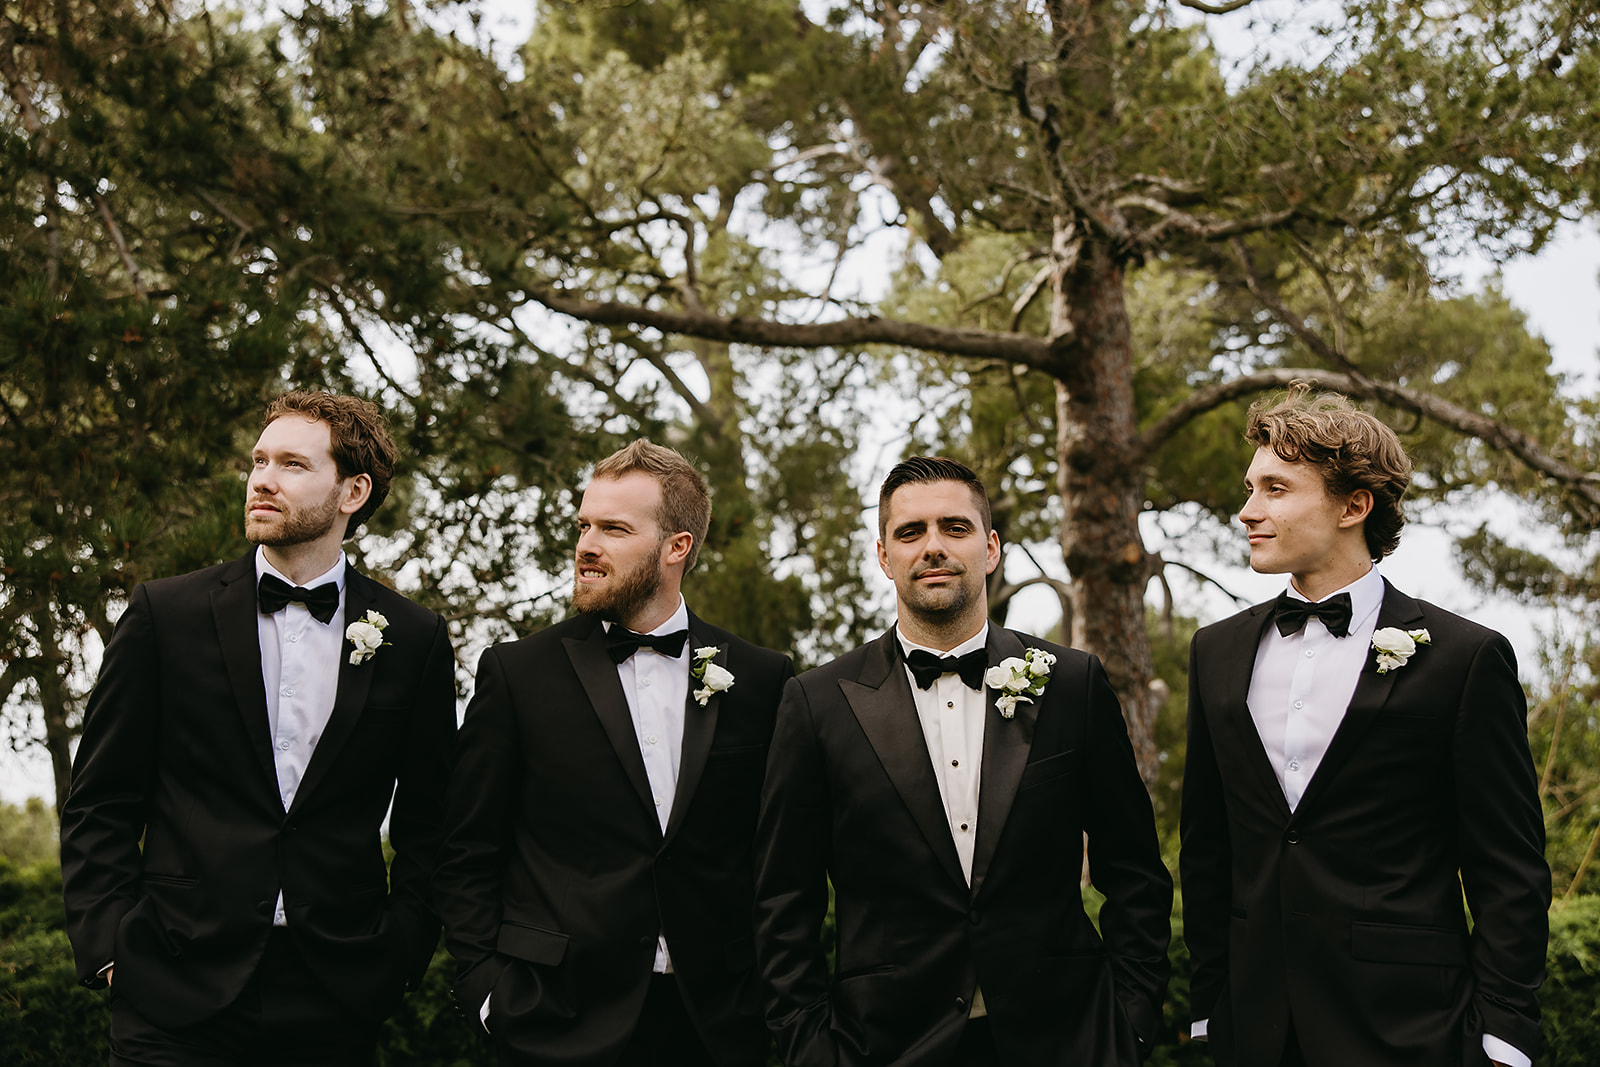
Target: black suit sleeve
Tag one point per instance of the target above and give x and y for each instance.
(792, 847)
(416, 821)
(1125, 863)
(1205, 861)
(1501, 830)
(478, 817)
(104, 815)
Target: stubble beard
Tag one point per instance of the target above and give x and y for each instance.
(942, 608)
(625, 594)
(296, 527)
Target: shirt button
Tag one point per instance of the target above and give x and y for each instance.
(1299, 703)
(658, 801)
(651, 739)
(283, 746)
(645, 682)
(1294, 765)
(293, 638)
(955, 763)
(949, 703)
(1310, 652)
(288, 690)
(963, 826)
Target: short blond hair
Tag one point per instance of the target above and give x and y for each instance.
(685, 499)
(1351, 448)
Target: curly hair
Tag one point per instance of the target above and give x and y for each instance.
(1351, 448)
(360, 441)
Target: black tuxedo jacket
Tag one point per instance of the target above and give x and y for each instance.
(556, 876)
(175, 749)
(1347, 912)
(851, 798)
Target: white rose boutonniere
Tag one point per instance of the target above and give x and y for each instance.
(366, 633)
(1019, 679)
(716, 678)
(1395, 646)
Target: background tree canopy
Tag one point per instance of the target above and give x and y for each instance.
(646, 221)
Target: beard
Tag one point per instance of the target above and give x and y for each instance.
(939, 605)
(293, 526)
(625, 593)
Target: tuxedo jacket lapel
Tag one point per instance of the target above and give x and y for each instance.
(1372, 690)
(1231, 723)
(699, 727)
(600, 682)
(350, 699)
(882, 703)
(1006, 743)
(233, 607)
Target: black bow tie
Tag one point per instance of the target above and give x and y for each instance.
(622, 642)
(926, 667)
(1291, 614)
(273, 593)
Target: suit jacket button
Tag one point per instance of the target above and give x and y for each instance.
(646, 940)
(264, 908)
(1293, 837)
(961, 1004)
(975, 916)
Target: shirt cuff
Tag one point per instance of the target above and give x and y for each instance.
(1501, 1052)
(483, 1015)
(1197, 1030)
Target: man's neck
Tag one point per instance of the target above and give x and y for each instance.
(1321, 584)
(656, 613)
(940, 638)
(301, 563)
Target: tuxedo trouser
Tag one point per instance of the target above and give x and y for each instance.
(284, 1017)
(1292, 1056)
(977, 1045)
(665, 1036)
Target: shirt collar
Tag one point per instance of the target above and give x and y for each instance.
(977, 640)
(334, 573)
(679, 620)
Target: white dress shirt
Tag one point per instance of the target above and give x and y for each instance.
(952, 717)
(657, 688)
(1300, 689)
(300, 670)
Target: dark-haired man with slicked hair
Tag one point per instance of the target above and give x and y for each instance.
(595, 881)
(942, 779)
(251, 724)
(1357, 759)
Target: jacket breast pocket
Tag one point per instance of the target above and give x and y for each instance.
(1049, 769)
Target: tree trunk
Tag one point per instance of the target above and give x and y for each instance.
(1100, 486)
(55, 706)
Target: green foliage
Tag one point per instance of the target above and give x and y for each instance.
(1564, 734)
(28, 834)
(1572, 984)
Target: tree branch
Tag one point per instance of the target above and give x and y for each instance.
(1215, 9)
(1470, 423)
(983, 344)
(115, 233)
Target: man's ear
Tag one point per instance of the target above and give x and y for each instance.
(677, 548)
(1357, 507)
(356, 493)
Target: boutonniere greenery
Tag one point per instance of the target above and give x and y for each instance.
(1019, 679)
(716, 678)
(366, 633)
(1395, 646)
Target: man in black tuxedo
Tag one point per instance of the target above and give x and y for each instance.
(596, 877)
(942, 778)
(1356, 759)
(249, 727)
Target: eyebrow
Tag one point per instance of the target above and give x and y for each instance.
(943, 520)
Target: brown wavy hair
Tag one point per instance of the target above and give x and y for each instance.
(1351, 448)
(685, 500)
(360, 441)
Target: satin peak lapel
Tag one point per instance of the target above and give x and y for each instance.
(881, 701)
(233, 607)
(1006, 744)
(699, 727)
(599, 677)
(1232, 711)
(1372, 691)
(350, 697)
